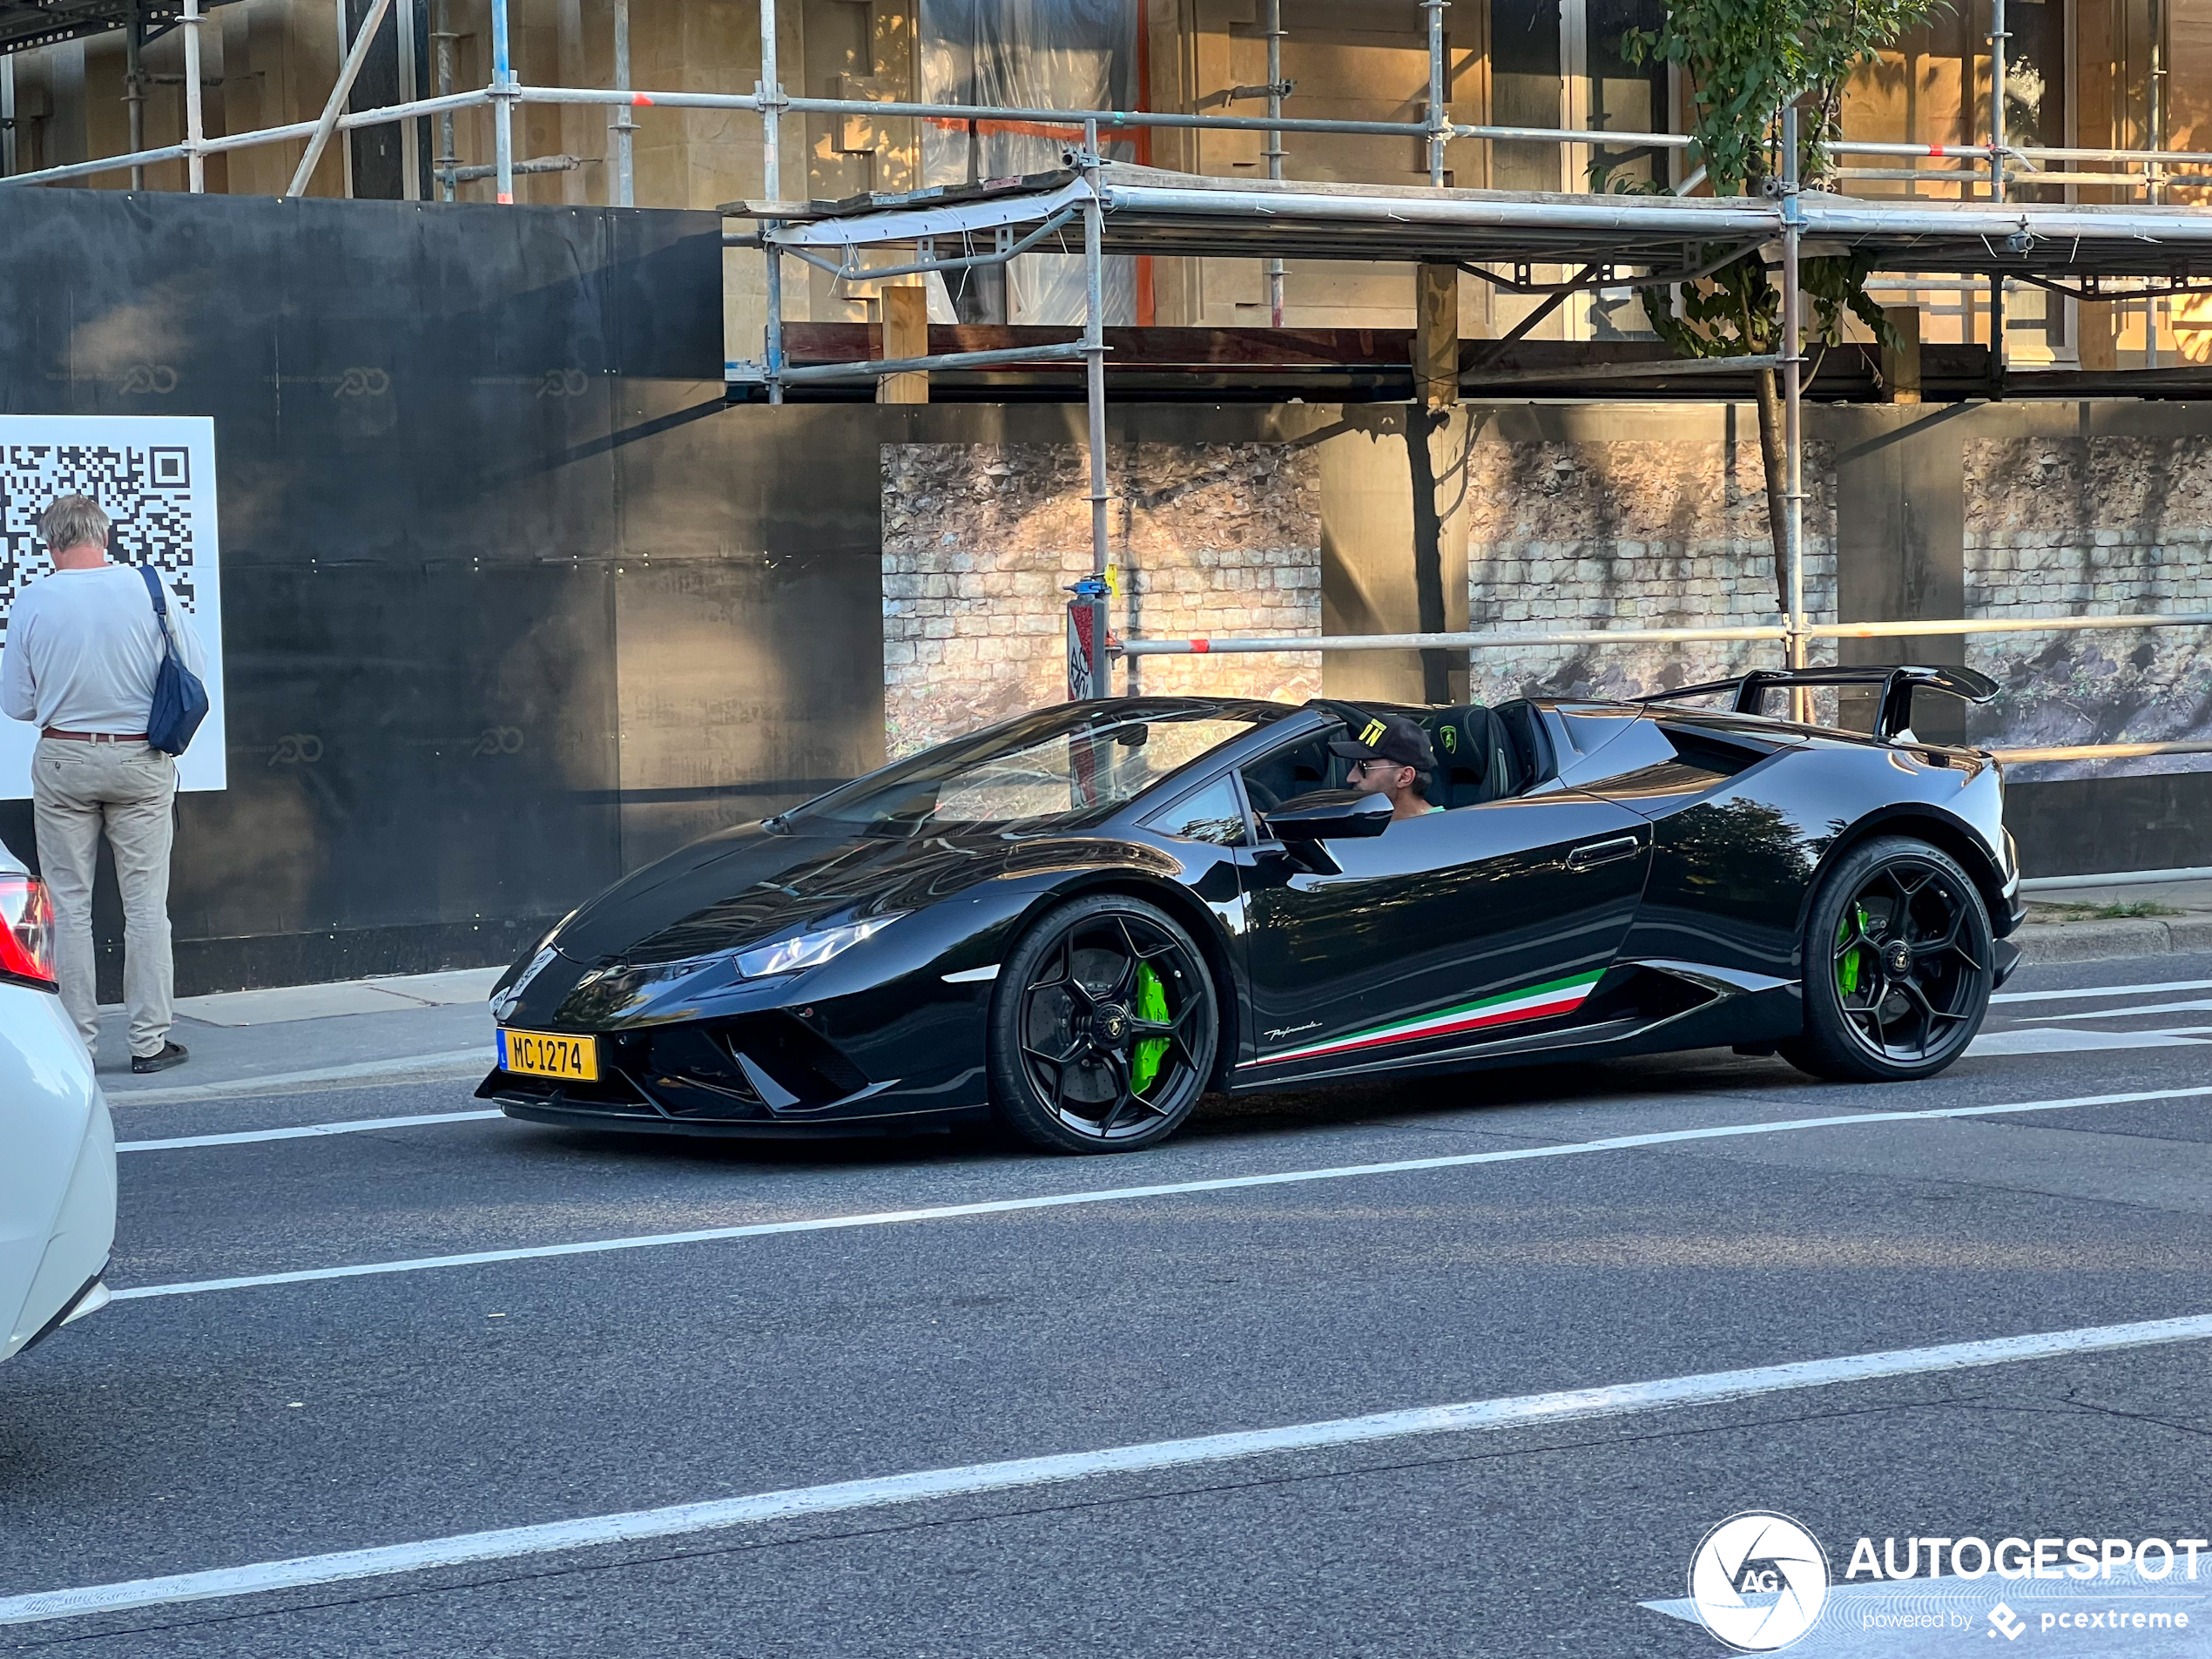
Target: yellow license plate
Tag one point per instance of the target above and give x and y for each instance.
(545, 1053)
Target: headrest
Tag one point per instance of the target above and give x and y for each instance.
(1462, 739)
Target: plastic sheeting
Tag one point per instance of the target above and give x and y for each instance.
(1027, 54)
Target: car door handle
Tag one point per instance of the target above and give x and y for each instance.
(1597, 853)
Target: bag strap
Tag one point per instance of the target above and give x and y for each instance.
(161, 606)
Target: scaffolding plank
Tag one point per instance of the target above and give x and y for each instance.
(1150, 211)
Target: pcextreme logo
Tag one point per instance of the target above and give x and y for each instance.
(1759, 1581)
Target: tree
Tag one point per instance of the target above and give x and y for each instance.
(1743, 60)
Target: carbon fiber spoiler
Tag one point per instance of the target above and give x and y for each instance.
(1892, 719)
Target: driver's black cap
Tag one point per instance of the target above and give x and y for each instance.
(1387, 737)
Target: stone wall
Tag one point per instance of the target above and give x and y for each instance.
(2063, 526)
(1629, 534)
(980, 542)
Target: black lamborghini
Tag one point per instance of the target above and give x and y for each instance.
(1082, 920)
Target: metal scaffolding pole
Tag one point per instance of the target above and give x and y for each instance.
(346, 73)
(774, 348)
(134, 84)
(770, 92)
(1274, 152)
(195, 124)
(1439, 119)
(410, 131)
(622, 127)
(503, 109)
(1095, 395)
(448, 159)
(1792, 396)
(1997, 39)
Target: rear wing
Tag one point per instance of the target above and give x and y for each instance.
(1893, 716)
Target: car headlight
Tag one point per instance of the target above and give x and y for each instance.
(810, 950)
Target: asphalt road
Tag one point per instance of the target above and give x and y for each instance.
(203, 1426)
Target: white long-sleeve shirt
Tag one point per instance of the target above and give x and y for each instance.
(83, 649)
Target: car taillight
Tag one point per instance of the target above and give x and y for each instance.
(26, 930)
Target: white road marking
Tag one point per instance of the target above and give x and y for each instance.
(1620, 1399)
(1120, 1195)
(2198, 1007)
(2043, 1039)
(366, 1071)
(350, 1126)
(2104, 991)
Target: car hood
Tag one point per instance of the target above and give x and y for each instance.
(752, 885)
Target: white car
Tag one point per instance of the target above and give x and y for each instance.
(57, 1174)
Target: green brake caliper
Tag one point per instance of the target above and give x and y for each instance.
(1151, 1004)
(1847, 964)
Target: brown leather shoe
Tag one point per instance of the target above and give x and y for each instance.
(172, 1053)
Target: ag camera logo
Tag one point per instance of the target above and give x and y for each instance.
(1759, 1582)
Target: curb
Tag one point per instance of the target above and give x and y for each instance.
(2042, 943)
(424, 1068)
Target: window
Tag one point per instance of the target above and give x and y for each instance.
(1051, 770)
(1213, 814)
(1299, 770)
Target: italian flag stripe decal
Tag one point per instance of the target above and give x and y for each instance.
(1539, 1002)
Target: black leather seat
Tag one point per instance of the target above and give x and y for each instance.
(1476, 760)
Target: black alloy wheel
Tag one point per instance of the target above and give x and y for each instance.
(1105, 1028)
(1900, 963)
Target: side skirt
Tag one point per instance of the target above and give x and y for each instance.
(1723, 1007)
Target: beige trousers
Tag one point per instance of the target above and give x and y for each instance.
(76, 790)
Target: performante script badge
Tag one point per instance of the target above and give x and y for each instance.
(1759, 1582)
(1291, 1030)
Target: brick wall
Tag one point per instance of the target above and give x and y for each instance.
(2064, 526)
(980, 540)
(1630, 534)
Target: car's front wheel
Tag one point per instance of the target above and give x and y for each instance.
(1105, 1028)
(1900, 963)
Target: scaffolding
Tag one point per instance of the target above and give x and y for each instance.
(1605, 240)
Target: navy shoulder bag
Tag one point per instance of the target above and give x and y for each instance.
(179, 699)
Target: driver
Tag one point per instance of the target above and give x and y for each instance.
(1391, 756)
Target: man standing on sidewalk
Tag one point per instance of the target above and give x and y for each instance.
(84, 645)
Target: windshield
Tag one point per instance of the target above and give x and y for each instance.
(1051, 770)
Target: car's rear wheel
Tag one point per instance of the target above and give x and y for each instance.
(1105, 1028)
(1900, 963)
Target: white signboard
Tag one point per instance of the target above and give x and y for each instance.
(155, 474)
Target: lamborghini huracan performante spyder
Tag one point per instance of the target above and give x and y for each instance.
(1083, 919)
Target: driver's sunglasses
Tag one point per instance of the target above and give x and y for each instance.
(1359, 767)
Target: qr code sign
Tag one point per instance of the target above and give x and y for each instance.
(146, 491)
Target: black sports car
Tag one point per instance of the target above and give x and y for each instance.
(1084, 918)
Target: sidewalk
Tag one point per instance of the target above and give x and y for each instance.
(247, 1042)
(2092, 924)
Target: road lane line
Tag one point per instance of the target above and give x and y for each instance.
(2196, 1004)
(456, 1061)
(2103, 990)
(2053, 1039)
(1120, 1195)
(1566, 1406)
(349, 1126)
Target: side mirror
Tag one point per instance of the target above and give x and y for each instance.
(1326, 814)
